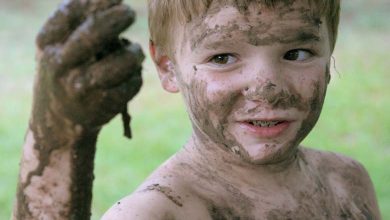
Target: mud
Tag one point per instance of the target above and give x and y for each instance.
(223, 200)
(254, 31)
(317, 185)
(83, 155)
(294, 188)
(281, 99)
(273, 97)
(68, 17)
(206, 129)
(78, 88)
(224, 213)
(315, 103)
(168, 192)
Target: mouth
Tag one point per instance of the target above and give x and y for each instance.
(261, 123)
(266, 128)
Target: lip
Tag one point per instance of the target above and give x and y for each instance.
(266, 132)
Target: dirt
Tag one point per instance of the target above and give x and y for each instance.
(315, 104)
(254, 34)
(275, 97)
(201, 118)
(167, 191)
(316, 185)
(86, 75)
(222, 199)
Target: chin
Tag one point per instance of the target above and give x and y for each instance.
(268, 154)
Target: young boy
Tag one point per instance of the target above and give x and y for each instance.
(253, 75)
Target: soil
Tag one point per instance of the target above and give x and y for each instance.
(86, 75)
(168, 192)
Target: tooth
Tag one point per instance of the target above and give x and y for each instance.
(273, 123)
(265, 123)
(261, 123)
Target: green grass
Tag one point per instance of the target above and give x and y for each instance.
(355, 120)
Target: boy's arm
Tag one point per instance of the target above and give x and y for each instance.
(353, 185)
(366, 190)
(142, 206)
(85, 76)
(165, 203)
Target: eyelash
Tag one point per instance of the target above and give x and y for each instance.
(231, 58)
(309, 52)
(227, 57)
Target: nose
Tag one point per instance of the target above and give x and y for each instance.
(265, 85)
(266, 91)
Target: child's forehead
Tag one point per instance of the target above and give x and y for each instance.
(227, 12)
(282, 23)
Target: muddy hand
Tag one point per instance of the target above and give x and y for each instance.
(86, 73)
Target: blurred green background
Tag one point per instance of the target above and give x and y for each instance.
(355, 120)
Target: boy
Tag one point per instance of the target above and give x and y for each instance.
(253, 75)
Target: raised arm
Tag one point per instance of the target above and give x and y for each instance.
(85, 76)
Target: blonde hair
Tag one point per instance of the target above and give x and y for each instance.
(165, 14)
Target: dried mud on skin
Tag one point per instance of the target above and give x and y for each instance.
(237, 206)
(167, 191)
(251, 32)
(254, 36)
(200, 108)
(310, 195)
(86, 75)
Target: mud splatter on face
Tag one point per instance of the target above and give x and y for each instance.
(260, 30)
(282, 99)
(200, 108)
(223, 31)
(210, 103)
(316, 103)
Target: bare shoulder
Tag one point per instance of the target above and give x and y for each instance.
(337, 165)
(330, 160)
(347, 178)
(158, 201)
(165, 195)
(142, 206)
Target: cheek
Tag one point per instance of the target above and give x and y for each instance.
(315, 104)
(221, 95)
(209, 105)
(308, 82)
(314, 93)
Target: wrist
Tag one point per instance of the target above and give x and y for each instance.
(52, 128)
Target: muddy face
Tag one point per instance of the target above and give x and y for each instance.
(254, 80)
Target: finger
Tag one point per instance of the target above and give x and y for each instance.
(96, 31)
(115, 99)
(117, 67)
(123, 93)
(68, 16)
(100, 5)
(61, 23)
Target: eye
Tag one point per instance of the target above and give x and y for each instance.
(223, 59)
(298, 55)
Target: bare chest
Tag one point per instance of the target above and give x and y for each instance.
(252, 204)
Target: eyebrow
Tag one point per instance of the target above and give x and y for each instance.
(286, 36)
(289, 37)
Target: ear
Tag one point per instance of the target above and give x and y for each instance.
(327, 73)
(164, 69)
